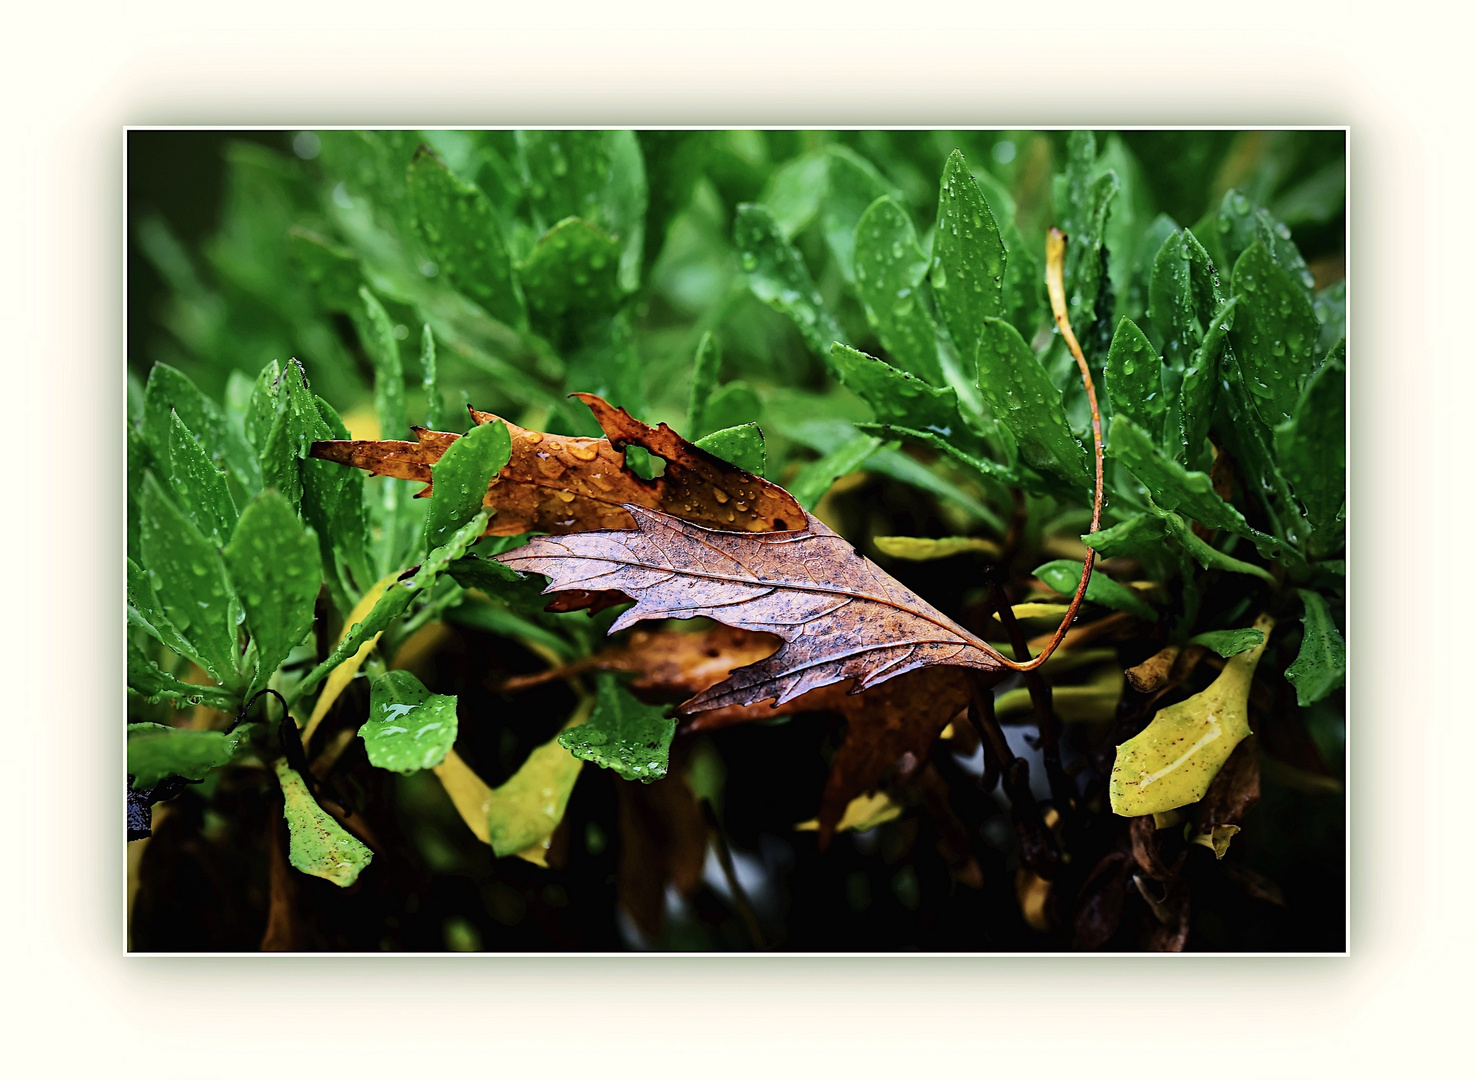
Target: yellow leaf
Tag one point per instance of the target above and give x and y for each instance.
(519, 817)
(1171, 762)
(339, 678)
(1096, 700)
(920, 549)
(862, 813)
(1217, 839)
(1040, 611)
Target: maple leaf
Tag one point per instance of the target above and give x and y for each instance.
(563, 484)
(840, 615)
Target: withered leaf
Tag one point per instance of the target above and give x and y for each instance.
(840, 615)
(663, 841)
(562, 484)
(1098, 911)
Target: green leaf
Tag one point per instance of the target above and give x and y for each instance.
(1171, 303)
(500, 582)
(1229, 643)
(1275, 334)
(461, 229)
(157, 750)
(969, 256)
(623, 734)
(777, 276)
(795, 191)
(1064, 576)
(1322, 661)
(889, 270)
(903, 400)
(273, 564)
(598, 176)
(1207, 555)
(459, 480)
(1241, 223)
(378, 334)
(317, 845)
(409, 728)
(1310, 446)
(151, 682)
(1022, 398)
(1134, 377)
(170, 391)
(261, 409)
(1330, 310)
(199, 486)
(428, 381)
(1172, 486)
(854, 184)
(1139, 536)
(396, 600)
(706, 367)
(814, 479)
(1083, 198)
(189, 578)
(1201, 381)
(742, 446)
(572, 276)
(145, 610)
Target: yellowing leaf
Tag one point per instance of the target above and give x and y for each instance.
(1217, 839)
(1095, 700)
(469, 794)
(339, 678)
(1171, 762)
(1040, 611)
(922, 549)
(318, 845)
(862, 813)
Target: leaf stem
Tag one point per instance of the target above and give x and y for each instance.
(1055, 261)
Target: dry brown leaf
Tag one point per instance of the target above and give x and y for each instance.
(562, 484)
(840, 615)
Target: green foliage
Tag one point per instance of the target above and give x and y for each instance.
(409, 728)
(623, 734)
(806, 305)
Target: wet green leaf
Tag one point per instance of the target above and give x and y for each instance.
(261, 408)
(796, 190)
(814, 479)
(157, 750)
(189, 578)
(1310, 446)
(318, 845)
(1206, 554)
(1171, 303)
(1275, 334)
(378, 334)
(968, 256)
(853, 185)
(1229, 642)
(1134, 378)
(706, 368)
(623, 734)
(1330, 311)
(1322, 661)
(1064, 576)
(572, 276)
(902, 400)
(889, 272)
(409, 728)
(778, 276)
(1201, 382)
(1172, 761)
(460, 478)
(742, 446)
(1022, 398)
(152, 683)
(273, 563)
(429, 382)
(170, 391)
(198, 485)
(461, 229)
(1083, 198)
(1136, 537)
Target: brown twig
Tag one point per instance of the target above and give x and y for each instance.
(1046, 721)
(1037, 847)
